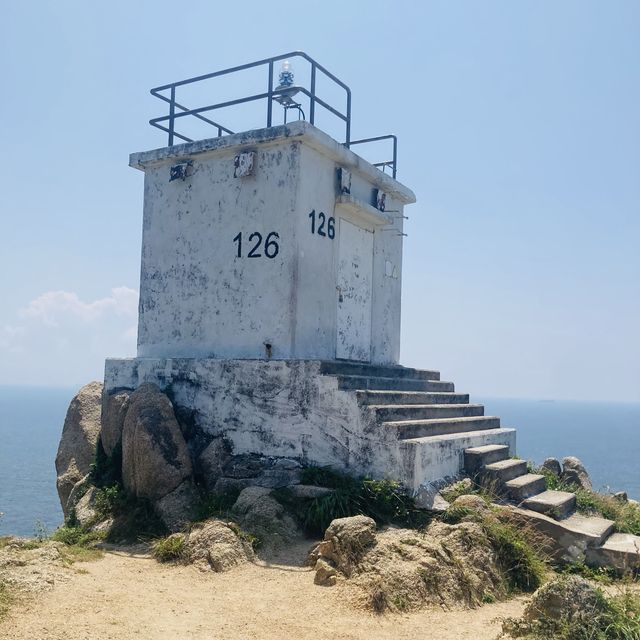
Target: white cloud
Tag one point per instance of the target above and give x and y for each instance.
(53, 307)
(59, 339)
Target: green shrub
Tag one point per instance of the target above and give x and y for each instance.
(625, 515)
(110, 501)
(605, 575)
(615, 618)
(77, 536)
(518, 550)
(454, 515)
(169, 548)
(383, 500)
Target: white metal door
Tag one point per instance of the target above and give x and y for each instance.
(355, 271)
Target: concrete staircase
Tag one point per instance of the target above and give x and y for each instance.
(575, 537)
(432, 421)
(413, 403)
(447, 435)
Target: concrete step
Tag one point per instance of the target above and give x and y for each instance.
(361, 383)
(410, 397)
(570, 538)
(620, 551)
(409, 429)
(439, 456)
(390, 412)
(522, 487)
(345, 368)
(504, 470)
(556, 504)
(477, 457)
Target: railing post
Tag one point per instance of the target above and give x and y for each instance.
(270, 96)
(348, 140)
(395, 156)
(312, 103)
(172, 111)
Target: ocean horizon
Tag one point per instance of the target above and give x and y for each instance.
(604, 435)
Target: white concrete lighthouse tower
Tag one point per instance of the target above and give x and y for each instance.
(270, 244)
(270, 293)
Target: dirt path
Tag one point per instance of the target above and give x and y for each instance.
(126, 595)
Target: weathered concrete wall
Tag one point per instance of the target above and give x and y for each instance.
(210, 289)
(289, 409)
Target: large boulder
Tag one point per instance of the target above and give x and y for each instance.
(404, 569)
(178, 508)
(114, 411)
(77, 447)
(473, 503)
(568, 598)
(573, 472)
(552, 466)
(345, 541)
(155, 457)
(216, 546)
(210, 463)
(260, 514)
(85, 508)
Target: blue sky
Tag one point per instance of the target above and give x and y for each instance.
(519, 126)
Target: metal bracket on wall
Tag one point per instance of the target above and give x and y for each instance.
(181, 171)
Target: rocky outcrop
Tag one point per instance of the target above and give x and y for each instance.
(345, 542)
(218, 546)
(155, 457)
(552, 466)
(404, 569)
(114, 411)
(574, 473)
(178, 508)
(474, 504)
(84, 509)
(568, 597)
(29, 568)
(210, 463)
(263, 516)
(77, 447)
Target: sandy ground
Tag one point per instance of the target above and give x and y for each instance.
(128, 595)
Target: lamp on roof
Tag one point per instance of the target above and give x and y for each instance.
(286, 89)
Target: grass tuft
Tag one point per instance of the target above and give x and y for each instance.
(169, 549)
(625, 515)
(614, 618)
(518, 550)
(77, 536)
(383, 500)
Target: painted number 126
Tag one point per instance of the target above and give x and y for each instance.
(322, 219)
(270, 246)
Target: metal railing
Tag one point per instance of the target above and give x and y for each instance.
(178, 111)
(393, 163)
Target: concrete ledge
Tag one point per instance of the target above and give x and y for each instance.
(359, 209)
(302, 131)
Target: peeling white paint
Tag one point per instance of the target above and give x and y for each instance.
(289, 409)
(230, 264)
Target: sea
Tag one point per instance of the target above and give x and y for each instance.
(605, 436)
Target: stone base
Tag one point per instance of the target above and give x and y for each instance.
(289, 410)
